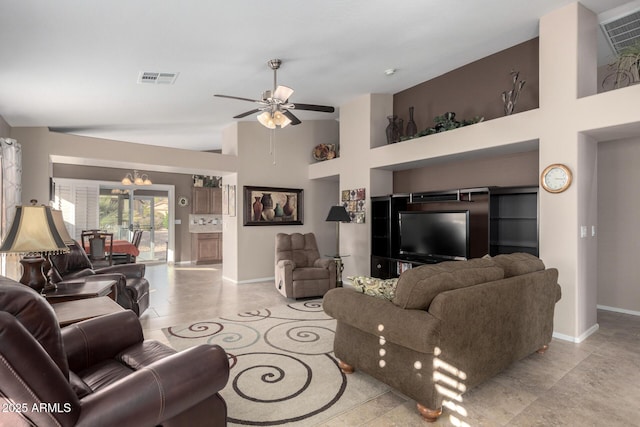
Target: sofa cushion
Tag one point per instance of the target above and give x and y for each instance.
(418, 286)
(381, 288)
(517, 264)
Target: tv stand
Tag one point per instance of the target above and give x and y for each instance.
(503, 220)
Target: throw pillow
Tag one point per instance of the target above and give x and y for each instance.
(381, 288)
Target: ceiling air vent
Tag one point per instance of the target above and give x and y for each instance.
(623, 31)
(149, 77)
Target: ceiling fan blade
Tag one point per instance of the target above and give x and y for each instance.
(248, 113)
(311, 107)
(282, 93)
(238, 97)
(290, 116)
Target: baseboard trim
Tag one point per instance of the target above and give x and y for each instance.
(618, 310)
(578, 339)
(242, 282)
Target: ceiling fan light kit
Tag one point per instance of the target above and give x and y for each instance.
(274, 106)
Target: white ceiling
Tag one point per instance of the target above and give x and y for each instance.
(74, 64)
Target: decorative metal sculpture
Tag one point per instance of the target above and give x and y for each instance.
(509, 98)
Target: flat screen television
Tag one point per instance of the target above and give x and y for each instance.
(434, 235)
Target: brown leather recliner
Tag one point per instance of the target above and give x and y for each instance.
(133, 289)
(100, 372)
(300, 271)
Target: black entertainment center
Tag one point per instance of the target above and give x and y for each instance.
(408, 230)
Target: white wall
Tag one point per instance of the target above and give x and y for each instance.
(254, 248)
(618, 225)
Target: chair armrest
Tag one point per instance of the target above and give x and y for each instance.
(78, 274)
(29, 376)
(328, 263)
(284, 276)
(159, 391)
(100, 338)
(284, 263)
(129, 270)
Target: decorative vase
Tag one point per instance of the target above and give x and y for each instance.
(279, 212)
(287, 208)
(412, 128)
(392, 130)
(400, 128)
(267, 207)
(257, 209)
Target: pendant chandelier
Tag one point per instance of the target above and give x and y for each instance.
(136, 179)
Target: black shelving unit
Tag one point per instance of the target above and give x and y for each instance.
(385, 234)
(513, 220)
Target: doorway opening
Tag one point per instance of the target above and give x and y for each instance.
(124, 210)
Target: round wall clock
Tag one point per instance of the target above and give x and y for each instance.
(556, 178)
(183, 201)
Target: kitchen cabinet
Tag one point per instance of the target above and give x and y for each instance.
(206, 200)
(206, 248)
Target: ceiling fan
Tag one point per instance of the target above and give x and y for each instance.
(275, 105)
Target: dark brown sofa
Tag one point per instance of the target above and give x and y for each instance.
(449, 327)
(132, 289)
(100, 372)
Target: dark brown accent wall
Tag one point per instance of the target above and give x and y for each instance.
(513, 170)
(474, 89)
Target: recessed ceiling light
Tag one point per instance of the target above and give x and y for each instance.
(390, 71)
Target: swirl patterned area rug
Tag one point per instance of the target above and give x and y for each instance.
(283, 371)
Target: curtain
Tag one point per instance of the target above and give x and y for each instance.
(11, 178)
(10, 189)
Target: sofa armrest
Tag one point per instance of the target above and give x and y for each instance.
(100, 338)
(159, 391)
(415, 329)
(128, 270)
(487, 326)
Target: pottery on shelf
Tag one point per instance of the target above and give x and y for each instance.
(392, 130)
(412, 128)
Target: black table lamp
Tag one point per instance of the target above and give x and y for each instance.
(33, 234)
(338, 214)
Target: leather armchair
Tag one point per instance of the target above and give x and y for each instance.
(132, 289)
(100, 372)
(300, 271)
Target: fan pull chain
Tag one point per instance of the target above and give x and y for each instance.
(272, 146)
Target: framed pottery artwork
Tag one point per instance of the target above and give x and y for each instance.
(273, 206)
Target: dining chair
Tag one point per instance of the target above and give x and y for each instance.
(99, 246)
(122, 258)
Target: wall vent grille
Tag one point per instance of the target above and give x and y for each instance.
(150, 77)
(623, 31)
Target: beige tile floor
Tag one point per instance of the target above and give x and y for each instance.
(594, 383)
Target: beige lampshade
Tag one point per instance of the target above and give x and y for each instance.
(33, 231)
(58, 220)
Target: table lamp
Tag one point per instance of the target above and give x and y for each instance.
(338, 214)
(33, 233)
